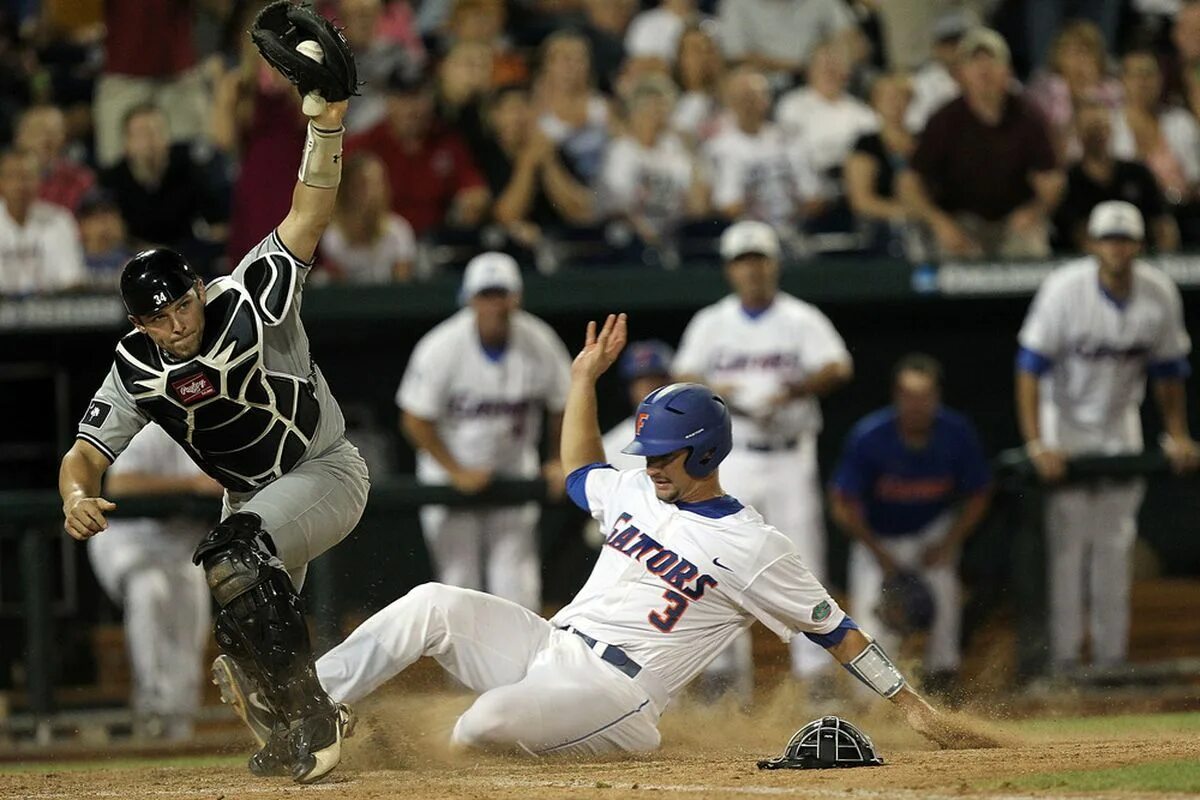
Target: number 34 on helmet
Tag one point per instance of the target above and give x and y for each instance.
(683, 416)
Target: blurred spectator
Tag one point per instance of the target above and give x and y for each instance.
(104, 238)
(1044, 19)
(1182, 84)
(934, 84)
(18, 63)
(910, 29)
(912, 485)
(573, 115)
(823, 119)
(984, 176)
(42, 131)
(650, 177)
(878, 158)
(699, 71)
(482, 22)
(1078, 68)
(655, 32)
(366, 242)
(257, 122)
(604, 29)
(39, 241)
(778, 36)
(463, 79)
(534, 189)
(376, 58)
(1098, 177)
(1165, 138)
(433, 179)
(149, 58)
(755, 173)
(145, 565)
(164, 194)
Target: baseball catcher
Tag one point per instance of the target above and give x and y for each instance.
(224, 369)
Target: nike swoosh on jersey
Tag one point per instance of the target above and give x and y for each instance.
(719, 564)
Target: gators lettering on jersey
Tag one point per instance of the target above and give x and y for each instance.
(674, 583)
(242, 422)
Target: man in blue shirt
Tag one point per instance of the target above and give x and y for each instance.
(912, 485)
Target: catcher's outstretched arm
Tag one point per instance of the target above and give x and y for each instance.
(320, 171)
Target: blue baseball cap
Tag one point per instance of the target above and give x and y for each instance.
(651, 357)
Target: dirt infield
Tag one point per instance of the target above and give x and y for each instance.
(400, 752)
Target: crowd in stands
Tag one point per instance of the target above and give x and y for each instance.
(582, 133)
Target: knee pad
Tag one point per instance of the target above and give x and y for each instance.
(260, 622)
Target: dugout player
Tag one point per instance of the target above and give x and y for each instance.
(145, 565)
(913, 483)
(472, 401)
(772, 357)
(1097, 328)
(225, 370)
(685, 568)
(644, 366)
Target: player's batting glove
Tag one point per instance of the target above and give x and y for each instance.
(309, 51)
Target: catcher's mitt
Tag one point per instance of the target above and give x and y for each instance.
(282, 26)
(906, 604)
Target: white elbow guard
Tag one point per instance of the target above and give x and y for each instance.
(321, 164)
(873, 667)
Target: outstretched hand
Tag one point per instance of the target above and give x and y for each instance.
(600, 350)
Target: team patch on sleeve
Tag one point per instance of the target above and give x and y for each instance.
(97, 412)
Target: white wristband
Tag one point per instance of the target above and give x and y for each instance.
(321, 164)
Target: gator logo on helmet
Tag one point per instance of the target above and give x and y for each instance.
(641, 420)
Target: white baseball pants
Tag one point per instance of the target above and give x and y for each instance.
(147, 567)
(541, 690)
(1089, 537)
(784, 486)
(492, 549)
(865, 579)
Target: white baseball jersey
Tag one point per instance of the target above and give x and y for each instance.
(758, 355)
(825, 130)
(675, 583)
(1094, 353)
(488, 407)
(615, 440)
(44, 254)
(648, 182)
(761, 171)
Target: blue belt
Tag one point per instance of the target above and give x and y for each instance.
(772, 447)
(611, 653)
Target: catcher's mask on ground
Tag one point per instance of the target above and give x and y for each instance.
(825, 743)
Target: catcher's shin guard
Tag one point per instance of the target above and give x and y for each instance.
(259, 622)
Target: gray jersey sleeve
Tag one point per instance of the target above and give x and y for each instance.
(274, 278)
(111, 419)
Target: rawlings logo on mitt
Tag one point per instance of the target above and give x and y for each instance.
(280, 28)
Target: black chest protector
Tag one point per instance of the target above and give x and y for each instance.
(242, 424)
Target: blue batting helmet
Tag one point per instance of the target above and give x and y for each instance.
(650, 357)
(679, 416)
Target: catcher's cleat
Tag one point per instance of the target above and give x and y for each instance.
(316, 743)
(248, 703)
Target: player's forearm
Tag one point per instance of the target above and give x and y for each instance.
(78, 476)
(124, 484)
(1027, 390)
(847, 515)
(829, 378)
(1171, 396)
(973, 512)
(581, 440)
(422, 434)
(316, 190)
(554, 428)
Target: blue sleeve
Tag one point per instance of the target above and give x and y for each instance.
(852, 476)
(835, 636)
(577, 484)
(1176, 368)
(1033, 361)
(975, 472)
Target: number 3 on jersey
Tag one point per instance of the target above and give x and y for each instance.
(665, 620)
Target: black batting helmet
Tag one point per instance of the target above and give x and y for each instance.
(155, 278)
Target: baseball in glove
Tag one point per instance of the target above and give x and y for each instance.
(906, 604)
(285, 34)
